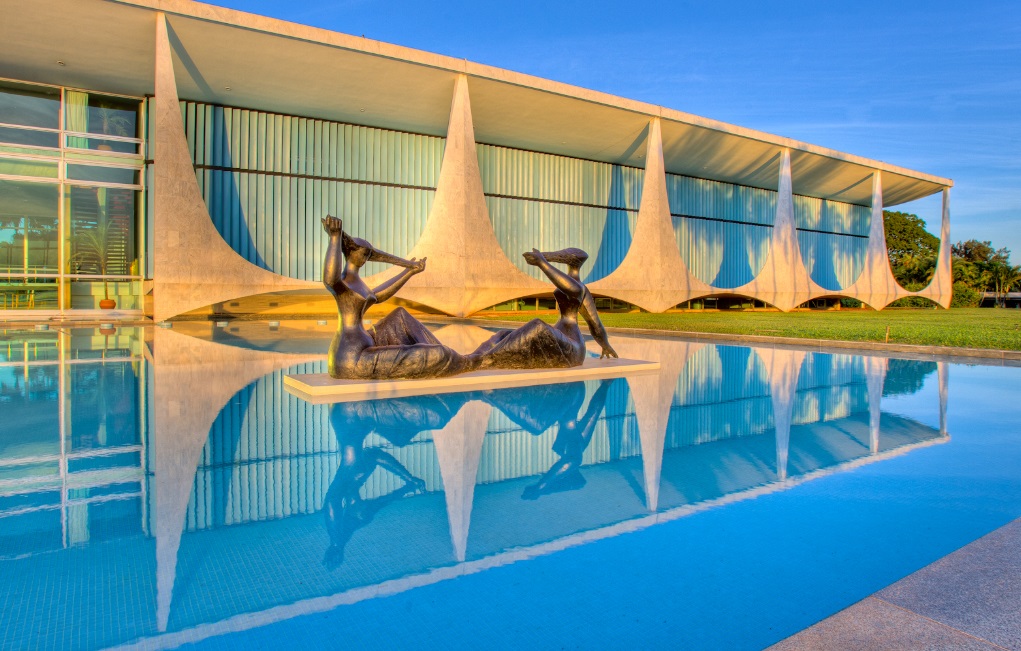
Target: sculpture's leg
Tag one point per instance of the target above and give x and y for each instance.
(399, 328)
(533, 345)
(491, 343)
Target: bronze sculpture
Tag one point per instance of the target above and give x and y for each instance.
(400, 347)
(540, 345)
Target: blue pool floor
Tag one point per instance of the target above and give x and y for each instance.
(740, 577)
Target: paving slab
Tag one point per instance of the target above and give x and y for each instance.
(875, 625)
(976, 589)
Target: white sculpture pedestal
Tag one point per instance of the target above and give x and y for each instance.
(320, 388)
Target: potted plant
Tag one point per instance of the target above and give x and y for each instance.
(112, 122)
(94, 242)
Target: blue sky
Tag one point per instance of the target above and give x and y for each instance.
(933, 86)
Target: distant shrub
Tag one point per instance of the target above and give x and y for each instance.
(965, 296)
(850, 302)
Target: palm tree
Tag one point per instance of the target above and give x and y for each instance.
(1004, 278)
(94, 242)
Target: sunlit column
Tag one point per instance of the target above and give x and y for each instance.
(653, 274)
(468, 269)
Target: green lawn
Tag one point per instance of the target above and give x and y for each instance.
(968, 328)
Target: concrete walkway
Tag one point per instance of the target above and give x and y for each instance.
(970, 599)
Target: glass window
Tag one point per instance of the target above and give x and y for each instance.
(14, 136)
(28, 167)
(102, 231)
(123, 175)
(30, 106)
(28, 294)
(87, 294)
(104, 116)
(28, 227)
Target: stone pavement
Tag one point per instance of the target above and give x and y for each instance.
(970, 599)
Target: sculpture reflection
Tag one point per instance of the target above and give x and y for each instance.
(399, 347)
(540, 345)
(398, 421)
(536, 409)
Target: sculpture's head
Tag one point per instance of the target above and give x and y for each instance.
(573, 258)
(358, 251)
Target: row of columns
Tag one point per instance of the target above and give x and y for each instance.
(468, 269)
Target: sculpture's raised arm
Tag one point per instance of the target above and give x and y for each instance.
(333, 264)
(595, 325)
(560, 280)
(386, 291)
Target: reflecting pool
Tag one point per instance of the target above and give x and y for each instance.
(160, 488)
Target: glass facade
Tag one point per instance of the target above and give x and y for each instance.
(71, 199)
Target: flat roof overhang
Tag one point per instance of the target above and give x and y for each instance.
(278, 66)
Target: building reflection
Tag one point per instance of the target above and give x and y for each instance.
(188, 457)
(72, 438)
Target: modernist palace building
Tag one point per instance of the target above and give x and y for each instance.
(168, 155)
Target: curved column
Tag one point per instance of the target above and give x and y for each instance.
(653, 275)
(783, 282)
(876, 286)
(458, 450)
(783, 367)
(653, 396)
(192, 381)
(192, 264)
(940, 288)
(875, 378)
(467, 268)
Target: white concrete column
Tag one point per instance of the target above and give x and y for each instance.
(783, 282)
(458, 450)
(653, 275)
(783, 367)
(876, 286)
(192, 265)
(192, 381)
(875, 378)
(467, 269)
(940, 288)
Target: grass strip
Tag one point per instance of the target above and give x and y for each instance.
(998, 329)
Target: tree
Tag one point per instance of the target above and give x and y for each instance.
(980, 266)
(912, 249)
(1004, 278)
(975, 251)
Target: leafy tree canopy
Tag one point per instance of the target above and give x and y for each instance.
(912, 249)
(975, 251)
(906, 234)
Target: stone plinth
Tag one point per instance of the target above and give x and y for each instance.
(319, 388)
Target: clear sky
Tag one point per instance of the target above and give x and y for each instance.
(933, 86)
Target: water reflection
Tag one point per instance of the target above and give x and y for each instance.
(225, 495)
(537, 409)
(397, 421)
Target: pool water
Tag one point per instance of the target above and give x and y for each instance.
(159, 488)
